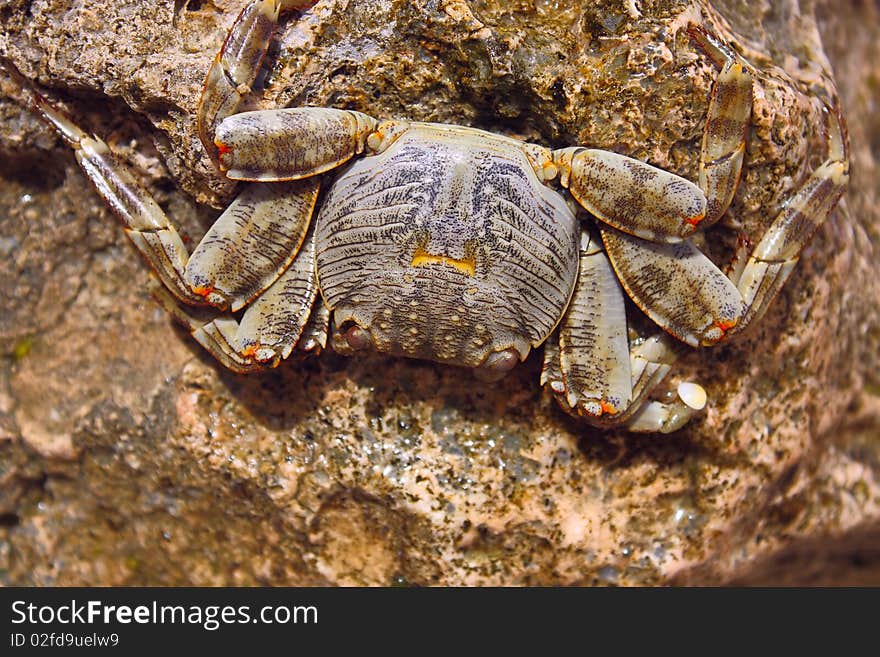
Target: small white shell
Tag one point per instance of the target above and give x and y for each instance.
(692, 394)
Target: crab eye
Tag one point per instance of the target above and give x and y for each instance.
(356, 337)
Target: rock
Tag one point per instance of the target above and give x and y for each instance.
(130, 457)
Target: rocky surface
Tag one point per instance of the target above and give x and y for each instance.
(127, 456)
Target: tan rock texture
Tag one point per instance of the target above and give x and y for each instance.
(127, 456)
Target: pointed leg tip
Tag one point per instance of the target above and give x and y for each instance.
(224, 155)
(264, 355)
(211, 295)
(599, 408)
(690, 225)
(718, 331)
(267, 356)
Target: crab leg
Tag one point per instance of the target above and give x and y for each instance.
(726, 128)
(145, 223)
(649, 362)
(269, 145)
(289, 144)
(590, 367)
(269, 329)
(630, 195)
(252, 242)
(268, 222)
(237, 64)
(656, 205)
(593, 350)
(677, 286)
(779, 250)
(314, 335)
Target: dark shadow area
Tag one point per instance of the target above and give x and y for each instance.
(39, 170)
(851, 558)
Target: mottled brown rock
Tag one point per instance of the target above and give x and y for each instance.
(127, 456)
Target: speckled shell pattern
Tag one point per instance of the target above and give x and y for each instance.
(447, 246)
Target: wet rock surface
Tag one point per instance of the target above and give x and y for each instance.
(127, 456)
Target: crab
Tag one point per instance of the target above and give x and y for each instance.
(460, 246)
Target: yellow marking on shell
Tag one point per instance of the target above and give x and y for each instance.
(466, 265)
(737, 70)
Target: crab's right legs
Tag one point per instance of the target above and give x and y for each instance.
(269, 145)
(277, 321)
(237, 64)
(266, 222)
(253, 254)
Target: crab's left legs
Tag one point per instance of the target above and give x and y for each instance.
(590, 367)
(689, 297)
(278, 283)
(780, 248)
(682, 291)
(726, 127)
